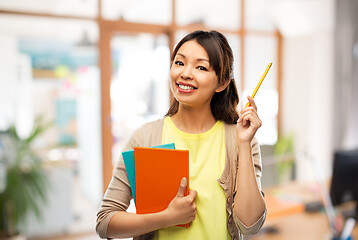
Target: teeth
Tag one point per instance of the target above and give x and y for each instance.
(185, 87)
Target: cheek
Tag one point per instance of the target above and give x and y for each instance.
(172, 85)
(173, 73)
(171, 77)
(211, 82)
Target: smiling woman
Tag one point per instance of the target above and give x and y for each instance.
(192, 74)
(197, 60)
(222, 148)
(66, 20)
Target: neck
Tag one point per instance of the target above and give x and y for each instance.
(193, 120)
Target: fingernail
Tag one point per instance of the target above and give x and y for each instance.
(183, 181)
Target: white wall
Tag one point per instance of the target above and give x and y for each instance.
(307, 98)
(307, 87)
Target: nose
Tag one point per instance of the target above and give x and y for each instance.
(186, 73)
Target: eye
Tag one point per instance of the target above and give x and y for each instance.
(179, 63)
(202, 68)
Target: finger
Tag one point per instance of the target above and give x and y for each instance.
(252, 119)
(192, 194)
(249, 113)
(244, 121)
(243, 112)
(252, 102)
(182, 187)
(194, 216)
(255, 122)
(194, 207)
(250, 108)
(244, 118)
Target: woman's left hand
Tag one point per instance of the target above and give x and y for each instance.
(248, 122)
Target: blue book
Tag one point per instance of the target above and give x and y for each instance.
(128, 158)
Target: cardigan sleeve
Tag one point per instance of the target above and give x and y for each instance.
(256, 156)
(254, 228)
(116, 198)
(118, 194)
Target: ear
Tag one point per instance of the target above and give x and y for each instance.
(223, 87)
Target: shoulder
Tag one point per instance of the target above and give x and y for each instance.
(153, 124)
(230, 132)
(147, 135)
(149, 128)
(230, 127)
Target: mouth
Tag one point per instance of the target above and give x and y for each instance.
(184, 87)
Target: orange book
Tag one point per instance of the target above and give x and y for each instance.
(158, 173)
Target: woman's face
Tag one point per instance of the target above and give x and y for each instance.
(193, 81)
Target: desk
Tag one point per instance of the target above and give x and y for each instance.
(300, 225)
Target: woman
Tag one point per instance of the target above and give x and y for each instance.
(225, 200)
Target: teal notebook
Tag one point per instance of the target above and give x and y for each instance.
(128, 158)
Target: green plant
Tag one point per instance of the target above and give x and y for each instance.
(284, 150)
(26, 183)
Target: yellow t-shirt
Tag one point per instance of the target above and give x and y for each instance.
(207, 154)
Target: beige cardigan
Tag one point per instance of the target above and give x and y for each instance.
(118, 194)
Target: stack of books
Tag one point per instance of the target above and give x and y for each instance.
(155, 174)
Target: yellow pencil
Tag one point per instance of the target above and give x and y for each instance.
(259, 84)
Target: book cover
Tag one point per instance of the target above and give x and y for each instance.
(128, 158)
(158, 173)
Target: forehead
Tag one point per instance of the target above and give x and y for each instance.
(193, 49)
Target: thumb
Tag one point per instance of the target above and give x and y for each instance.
(182, 187)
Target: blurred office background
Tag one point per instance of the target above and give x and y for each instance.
(98, 69)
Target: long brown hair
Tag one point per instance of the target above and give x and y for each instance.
(223, 104)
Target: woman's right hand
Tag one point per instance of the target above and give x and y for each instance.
(182, 209)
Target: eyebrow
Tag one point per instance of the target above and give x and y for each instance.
(199, 59)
